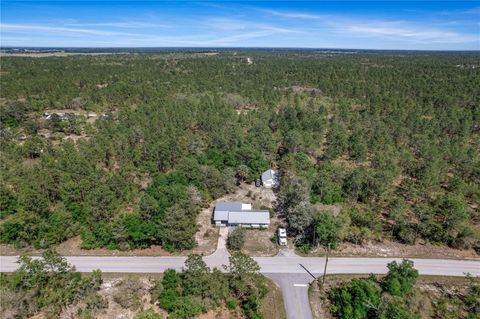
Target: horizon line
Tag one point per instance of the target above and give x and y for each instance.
(227, 47)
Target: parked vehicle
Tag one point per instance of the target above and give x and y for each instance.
(282, 236)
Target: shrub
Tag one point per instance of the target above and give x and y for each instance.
(236, 239)
(168, 299)
(148, 314)
(185, 308)
(96, 302)
(232, 303)
(327, 230)
(400, 278)
(395, 310)
(128, 294)
(46, 284)
(356, 299)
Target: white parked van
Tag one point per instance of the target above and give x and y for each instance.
(282, 236)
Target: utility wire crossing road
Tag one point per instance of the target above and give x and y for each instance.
(292, 273)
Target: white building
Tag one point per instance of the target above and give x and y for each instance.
(270, 179)
(240, 214)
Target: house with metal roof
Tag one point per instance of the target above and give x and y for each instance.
(240, 214)
(270, 179)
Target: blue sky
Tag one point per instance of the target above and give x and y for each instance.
(430, 25)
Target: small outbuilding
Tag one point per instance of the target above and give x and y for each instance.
(240, 214)
(270, 178)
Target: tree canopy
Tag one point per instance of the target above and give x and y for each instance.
(392, 138)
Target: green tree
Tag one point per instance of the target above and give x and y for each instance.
(241, 265)
(395, 310)
(400, 278)
(178, 228)
(149, 208)
(169, 296)
(294, 203)
(243, 171)
(357, 299)
(327, 230)
(196, 275)
(236, 239)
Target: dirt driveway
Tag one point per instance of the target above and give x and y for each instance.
(259, 197)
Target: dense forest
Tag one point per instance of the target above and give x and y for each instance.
(391, 138)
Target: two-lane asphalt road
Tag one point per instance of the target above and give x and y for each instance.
(278, 264)
(291, 273)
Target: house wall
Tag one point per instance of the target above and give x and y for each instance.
(268, 183)
(250, 225)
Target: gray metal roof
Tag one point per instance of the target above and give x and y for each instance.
(228, 206)
(220, 215)
(249, 217)
(269, 174)
(232, 213)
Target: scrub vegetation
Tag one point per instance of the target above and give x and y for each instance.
(53, 288)
(401, 294)
(48, 285)
(392, 138)
(197, 289)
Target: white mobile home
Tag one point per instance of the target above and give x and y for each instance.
(270, 179)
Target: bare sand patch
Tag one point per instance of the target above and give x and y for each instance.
(393, 249)
(259, 243)
(259, 197)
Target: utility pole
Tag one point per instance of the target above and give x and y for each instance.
(326, 263)
(314, 243)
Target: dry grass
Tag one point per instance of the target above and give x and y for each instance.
(207, 234)
(258, 242)
(272, 306)
(259, 197)
(388, 248)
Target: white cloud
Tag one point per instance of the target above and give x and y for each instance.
(237, 31)
(294, 15)
(9, 27)
(406, 31)
(241, 37)
(126, 24)
(236, 24)
(397, 30)
(227, 24)
(238, 28)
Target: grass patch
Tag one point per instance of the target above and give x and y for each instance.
(258, 243)
(272, 305)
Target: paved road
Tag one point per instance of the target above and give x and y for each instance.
(290, 272)
(295, 293)
(269, 265)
